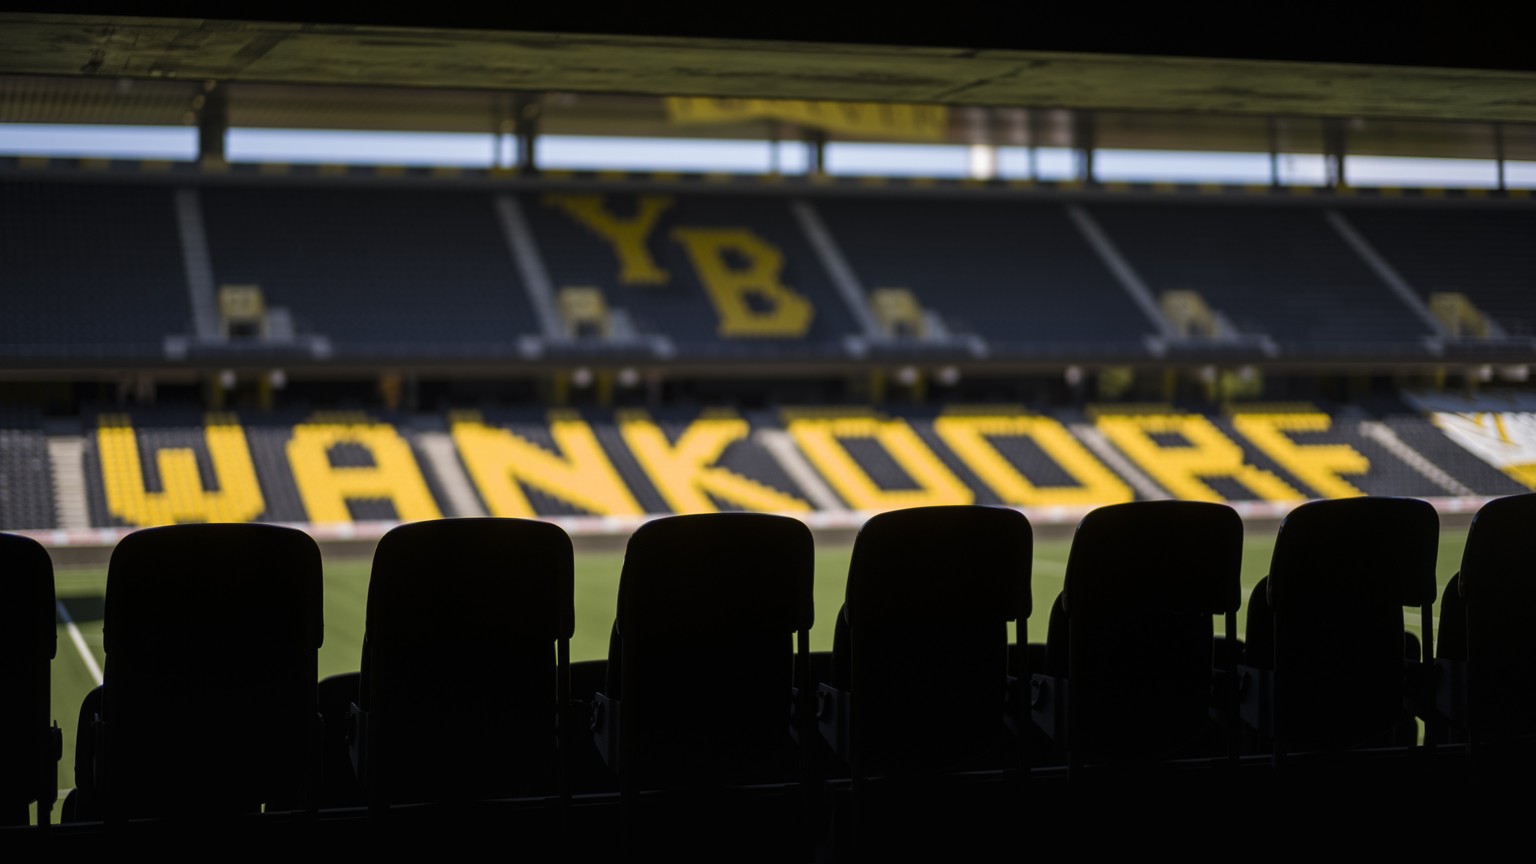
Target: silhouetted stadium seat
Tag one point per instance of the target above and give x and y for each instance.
(920, 664)
(191, 730)
(466, 661)
(694, 723)
(675, 716)
(917, 706)
(1130, 652)
(1324, 659)
(29, 741)
(1486, 654)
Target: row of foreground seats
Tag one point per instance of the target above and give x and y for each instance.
(710, 683)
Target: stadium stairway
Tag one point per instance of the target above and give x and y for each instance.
(65, 453)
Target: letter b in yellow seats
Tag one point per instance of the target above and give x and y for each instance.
(752, 301)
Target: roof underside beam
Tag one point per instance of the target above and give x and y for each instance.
(276, 52)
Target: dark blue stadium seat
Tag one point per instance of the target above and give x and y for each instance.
(26, 481)
(1485, 254)
(1280, 271)
(1017, 274)
(94, 272)
(380, 272)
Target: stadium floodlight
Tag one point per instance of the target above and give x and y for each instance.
(581, 377)
(278, 379)
(906, 376)
(948, 376)
(629, 376)
(227, 379)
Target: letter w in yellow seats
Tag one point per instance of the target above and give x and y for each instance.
(184, 495)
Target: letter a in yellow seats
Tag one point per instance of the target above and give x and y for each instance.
(325, 488)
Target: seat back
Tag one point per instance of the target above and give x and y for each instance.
(459, 671)
(1341, 573)
(1497, 586)
(930, 593)
(703, 650)
(1143, 581)
(28, 642)
(212, 635)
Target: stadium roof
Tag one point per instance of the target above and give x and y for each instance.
(1437, 60)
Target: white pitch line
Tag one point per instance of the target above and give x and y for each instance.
(75, 636)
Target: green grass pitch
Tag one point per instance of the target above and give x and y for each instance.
(597, 577)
